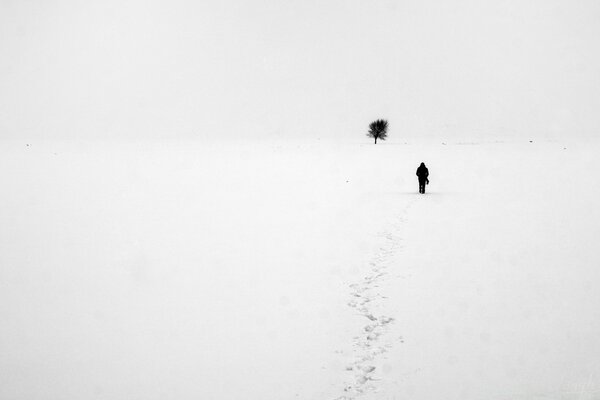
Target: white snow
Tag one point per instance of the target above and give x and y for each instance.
(302, 270)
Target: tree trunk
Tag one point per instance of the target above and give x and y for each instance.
(375, 139)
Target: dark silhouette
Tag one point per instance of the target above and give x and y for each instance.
(378, 129)
(423, 174)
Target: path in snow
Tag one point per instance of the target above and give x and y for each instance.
(367, 300)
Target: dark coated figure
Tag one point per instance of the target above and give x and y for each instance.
(423, 174)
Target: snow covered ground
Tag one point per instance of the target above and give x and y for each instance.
(309, 270)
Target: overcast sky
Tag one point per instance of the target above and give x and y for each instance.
(142, 68)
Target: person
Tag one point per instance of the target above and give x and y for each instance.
(423, 174)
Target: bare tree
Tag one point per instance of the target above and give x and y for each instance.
(378, 129)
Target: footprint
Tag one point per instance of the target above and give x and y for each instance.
(369, 328)
(367, 369)
(371, 317)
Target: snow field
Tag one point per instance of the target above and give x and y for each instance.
(298, 270)
(497, 296)
(215, 271)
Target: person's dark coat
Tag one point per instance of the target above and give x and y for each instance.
(422, 173)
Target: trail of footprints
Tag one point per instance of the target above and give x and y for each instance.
(370, 344)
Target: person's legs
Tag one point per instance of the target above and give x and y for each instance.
(421, 186)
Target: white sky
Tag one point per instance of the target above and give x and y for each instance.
(141, 69)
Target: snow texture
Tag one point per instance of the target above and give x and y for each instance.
(309, 270)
